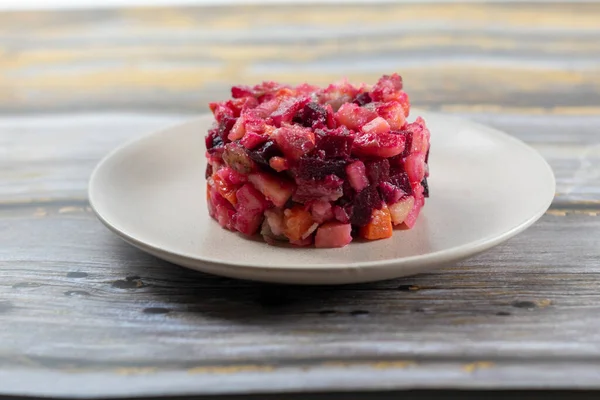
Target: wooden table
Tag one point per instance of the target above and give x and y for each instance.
(82, 314)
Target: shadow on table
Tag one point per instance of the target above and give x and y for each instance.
(169, 288)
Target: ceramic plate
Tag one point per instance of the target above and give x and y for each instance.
(485, 187)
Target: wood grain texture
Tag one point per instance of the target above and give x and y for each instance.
(82, 314)
(464, 56)
(142, 324)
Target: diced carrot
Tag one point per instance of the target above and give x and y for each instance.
(296, 222)
(224, 189)
(380, 226)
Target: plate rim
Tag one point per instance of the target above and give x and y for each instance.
(431, 259)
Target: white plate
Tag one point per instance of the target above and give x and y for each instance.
(485, 187)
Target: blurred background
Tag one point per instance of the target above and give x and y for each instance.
(459, 57)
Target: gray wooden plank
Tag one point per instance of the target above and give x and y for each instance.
(179, 59)
(134, 314)
(424, 375)
(87, 307)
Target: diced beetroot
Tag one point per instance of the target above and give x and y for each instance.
(420, 136)
(389, 192)
(241, 91)
(425, 185)
(221, 110)
(378, 170)
(296, 223)
(416, 132)
(215, 197)
(334, 143)
(393, 113)
(273, 188)
(235, 156)
(415, 167)
(353, 116)
(378, 145)
(317, 168)
(225, 216)
(279, 164)
(386, 88)
(321, 211)
(357, 176)
(331, 122)
(400, 209)
(250, 199)
(225, 126)
(265, 152)
(396, 165)
(208, 172)
(248, 103)
(312, 115)
(333, 234)
(362, 98)
(402, 182)
(408, 135)
(232, 177)
(220, 209)
(248, 222)
(217, 136)
(377, 126)
(213, 140)
(341, 215)
(328, 189)
(294, 141)
(287, 109)
(403, 99)
(237, 105)
(364, 203)
(252, 140)
(284, 160)
(250, 207)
